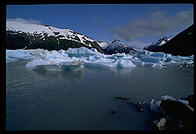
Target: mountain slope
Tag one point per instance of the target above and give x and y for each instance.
(181, 44)
(157, 44)
(103, 44)
(31, 36)
(117, 47)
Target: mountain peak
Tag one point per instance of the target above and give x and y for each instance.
(156, 44)
(45, 36)
(118, 41)
(117, 47)
(182, 44)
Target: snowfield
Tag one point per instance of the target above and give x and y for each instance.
(50, 30)
(77, 58)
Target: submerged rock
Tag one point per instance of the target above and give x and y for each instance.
(139, 105)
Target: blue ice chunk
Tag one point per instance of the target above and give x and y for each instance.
(150, 59)
(80, 52)
(158, 54)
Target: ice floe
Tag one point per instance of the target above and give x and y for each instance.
(159, 59)
(20, 54)
(80, 57)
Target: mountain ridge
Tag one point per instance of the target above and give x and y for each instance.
(182, 44)
(117, 47)
(45, 36)
(156, 44)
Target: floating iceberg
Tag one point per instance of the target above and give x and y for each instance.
(20, 54)
(70, 66)
(52, 61)
(80, 52)
(125, 64)
(72, 59)
(150, 59)
(159, 66)
(159, 59)
(101, 63)
(158, 54)
(77, 58)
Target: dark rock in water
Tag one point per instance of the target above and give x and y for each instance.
(122, 97)
(141, 109)
(142, 103)
(191, 100)
(113, 112)
(139, 105)
(159, 124)
(175, 111)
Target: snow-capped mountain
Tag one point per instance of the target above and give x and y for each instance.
(117, 47)
(103, 44)
(182, 44)
(24, 35)
(156, 44)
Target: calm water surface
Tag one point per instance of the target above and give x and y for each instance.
(41, 100)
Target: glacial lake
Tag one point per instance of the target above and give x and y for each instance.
(83, 100)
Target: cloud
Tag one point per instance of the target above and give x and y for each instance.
(155, 24)
(30, 21)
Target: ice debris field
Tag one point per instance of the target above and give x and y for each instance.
(78, 58)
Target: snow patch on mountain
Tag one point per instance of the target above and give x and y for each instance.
(50, 30)
(117, 47)
(103, 44)
(156, 44)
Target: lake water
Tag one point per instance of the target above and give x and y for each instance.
(43, 100)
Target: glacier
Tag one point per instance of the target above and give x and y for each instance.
(77, 58)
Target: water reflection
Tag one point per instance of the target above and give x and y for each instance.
(65, 74)
(122, 72)
(52, 99)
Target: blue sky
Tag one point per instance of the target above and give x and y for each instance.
(131, 23)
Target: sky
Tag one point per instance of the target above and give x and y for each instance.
(134, 24)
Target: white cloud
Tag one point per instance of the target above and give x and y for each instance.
(156, 24)
(30, 21)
